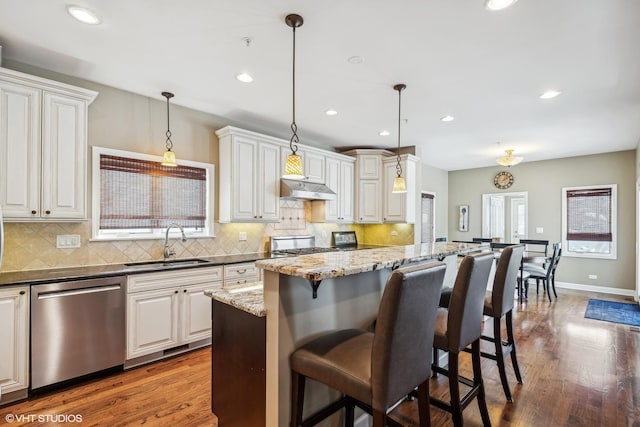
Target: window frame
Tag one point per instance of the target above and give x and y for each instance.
(146, 234)
(614, 223)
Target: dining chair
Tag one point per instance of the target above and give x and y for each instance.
(374, 370)
(545, 273)
(535, 246)
(458, 325)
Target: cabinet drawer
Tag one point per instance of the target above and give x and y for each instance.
(169, 279)
(247, 270)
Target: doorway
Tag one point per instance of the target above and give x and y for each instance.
(504, 216)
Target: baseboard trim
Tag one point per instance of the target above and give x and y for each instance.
(599, 289)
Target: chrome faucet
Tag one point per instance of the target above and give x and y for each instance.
(168, 250)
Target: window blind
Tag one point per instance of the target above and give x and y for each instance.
(142, 194)
(427, 218)
(589, 215)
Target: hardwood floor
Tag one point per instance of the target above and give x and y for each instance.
(577, 372)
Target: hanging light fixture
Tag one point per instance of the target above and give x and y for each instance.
(509, 160)
(399, 184)
(293, 166)
(169, 158)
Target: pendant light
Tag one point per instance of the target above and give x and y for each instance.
(293, 166)
(399, 184)
(509, 160)
(169, 158)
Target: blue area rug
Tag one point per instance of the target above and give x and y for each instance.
(612, 311)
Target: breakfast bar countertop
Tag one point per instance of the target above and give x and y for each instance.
(344, 263)
(247, 297)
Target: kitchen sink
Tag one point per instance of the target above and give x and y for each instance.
(167, 263)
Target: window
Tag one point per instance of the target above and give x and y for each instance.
(589, 221)
(135, 197)
(427, 218)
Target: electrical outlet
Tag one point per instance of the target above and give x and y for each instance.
(242, 236)
(394, 233)
(66, 241)
(593, 276)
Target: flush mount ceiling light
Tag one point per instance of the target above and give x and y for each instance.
(293, 166)
(169, 157)
(498, 4)
(399, 184)
(509, 159)
(84, 15)
(447, 119)
(244, 78)
(550, 94)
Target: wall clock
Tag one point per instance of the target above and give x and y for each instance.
(503, 180)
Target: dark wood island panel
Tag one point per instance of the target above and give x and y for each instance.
(238, 379)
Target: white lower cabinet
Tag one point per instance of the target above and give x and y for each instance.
(168, 309)
(239, 274)
(14, 343)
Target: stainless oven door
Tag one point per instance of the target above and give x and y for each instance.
(77, 328)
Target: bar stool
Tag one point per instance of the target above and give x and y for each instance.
(375, 370)
(459, 324)
(498, 304)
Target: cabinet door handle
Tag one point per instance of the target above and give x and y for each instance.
(47, 212)
(260, 216)
(185, 291)
(175, 292)
(242, 282)
(255, 216)
(244, 270)
(22, 292)
(33, 212)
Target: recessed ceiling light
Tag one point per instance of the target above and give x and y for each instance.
(384, 133)
(447, 118)
(550, 94)
(498, 4)
(84, 15)
(331, 112)
(244, 78)
(355, 60)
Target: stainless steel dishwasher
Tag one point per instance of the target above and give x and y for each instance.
(77, 328)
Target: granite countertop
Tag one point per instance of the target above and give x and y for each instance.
(247, 297)
(29, 277)
(336, 264)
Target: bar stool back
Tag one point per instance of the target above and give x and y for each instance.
(376, 370)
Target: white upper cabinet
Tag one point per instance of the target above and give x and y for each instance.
(314, 166)
(249, 177)
(339, 178)
(43, 143)
(400, 207)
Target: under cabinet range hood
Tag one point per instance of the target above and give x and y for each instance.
(305, 190)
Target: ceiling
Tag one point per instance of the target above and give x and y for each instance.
(485, 68)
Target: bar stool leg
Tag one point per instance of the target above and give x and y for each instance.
(477, 379)
(454, 390)
(435, 361)
(497, 340)
(349, 413)
(512, 343)
(297, 398)
(424, 412)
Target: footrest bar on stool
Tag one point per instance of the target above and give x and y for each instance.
(325, 412)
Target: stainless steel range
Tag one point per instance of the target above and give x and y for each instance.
(305, 245)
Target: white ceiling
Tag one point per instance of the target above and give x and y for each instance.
(485, 68)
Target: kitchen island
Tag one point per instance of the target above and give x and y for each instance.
(308, 295)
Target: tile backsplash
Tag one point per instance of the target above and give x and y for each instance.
(32, 246)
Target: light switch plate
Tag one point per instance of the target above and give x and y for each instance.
(66, 241)
(539, 230)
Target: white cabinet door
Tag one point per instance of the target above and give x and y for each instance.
(64, 143)
(19, 150)
(369, 204)
(346, 191)
(332, 207)
(369, 166)
(152, 321)
(243, 184)
(268, 182)
(314, 169)
(399, 207)
(195, 313)
(14, 339)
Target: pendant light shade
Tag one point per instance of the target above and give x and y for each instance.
(169, 157)
(293, 166)
(509, 160)
(399, 184)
